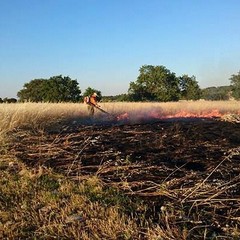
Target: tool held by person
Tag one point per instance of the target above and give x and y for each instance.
(121, 117)
(99, 108)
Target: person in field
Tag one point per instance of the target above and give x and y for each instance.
(92, 102)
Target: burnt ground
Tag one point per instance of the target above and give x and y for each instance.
(191, 164)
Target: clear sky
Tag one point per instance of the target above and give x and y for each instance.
(103, 43)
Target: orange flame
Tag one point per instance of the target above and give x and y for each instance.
(185, 114)
(123, 116)
(154, 115)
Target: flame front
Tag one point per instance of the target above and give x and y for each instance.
(206, 114)
(154, 115)
(123, 116)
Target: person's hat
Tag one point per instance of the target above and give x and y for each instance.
(95, 94)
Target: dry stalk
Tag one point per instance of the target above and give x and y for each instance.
(232, 153)
(85, 144)
(177, 169)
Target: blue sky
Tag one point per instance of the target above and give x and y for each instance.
(103, 43)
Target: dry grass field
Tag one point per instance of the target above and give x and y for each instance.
(38, 115)
(141, 171)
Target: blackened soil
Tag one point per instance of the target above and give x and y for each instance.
(185, 146)
(191, 162)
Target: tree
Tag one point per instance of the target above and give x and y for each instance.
(217, 93)
(235, 81)
(61, 89)
(9, 100)
(89, 91)
(33, 91)
(122, 97)
(1, 101)
(54, 89)
(139, 92)
(189, 88)
(154, 83)
(118, 98)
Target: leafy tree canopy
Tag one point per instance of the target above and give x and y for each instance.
(9, 100)
(54, 89)
(235, 82)
(217, 93)
(189, 88)
(118, 98)
(154, 83)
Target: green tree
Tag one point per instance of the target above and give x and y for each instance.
(139, 92)
(217, 93)
(122, 97)
(1, 101)
(189, 88)
(89, 91)
(54, 89)
(9, 100)
(61, 89)
(235, 82)
(33, 91)
(154, 83)
(118, 98)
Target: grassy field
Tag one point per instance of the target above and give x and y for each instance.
(38, 203)
(39, 115)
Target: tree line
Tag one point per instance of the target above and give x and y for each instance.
(154, 83)
(8, 100)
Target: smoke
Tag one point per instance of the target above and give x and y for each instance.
(153, 115)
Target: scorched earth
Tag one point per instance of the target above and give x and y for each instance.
(189, 163)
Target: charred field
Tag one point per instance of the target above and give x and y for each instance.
(186, 170)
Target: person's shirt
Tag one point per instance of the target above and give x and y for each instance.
(93, 100)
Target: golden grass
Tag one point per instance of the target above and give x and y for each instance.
(173, 108)
(38, 115)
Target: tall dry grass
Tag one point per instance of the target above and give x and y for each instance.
(168, 109)
(36, 116)
(40, 115)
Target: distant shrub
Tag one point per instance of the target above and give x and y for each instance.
(9, 100)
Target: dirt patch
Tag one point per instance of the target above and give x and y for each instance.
(192, 164)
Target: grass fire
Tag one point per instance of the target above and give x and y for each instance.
(138, 171)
